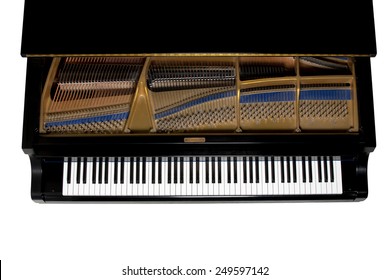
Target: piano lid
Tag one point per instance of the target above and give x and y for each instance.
(142, 27)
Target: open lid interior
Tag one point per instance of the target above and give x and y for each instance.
(59, 28)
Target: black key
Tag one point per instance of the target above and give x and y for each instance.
(160, 170)
(219, 170)
(207, 170)
(319, 169)
(122, 170)
(228, 171)
(273, 169)
(169, 170)
(85, 170)
(175, 170)
(191, 170)
(197, 170)
(144, 170)
(257, 170)
(137, 171)
(331, 169)
(153, 170)
(106, 171)
(235, 169)
(244, 169)
(94, 170)
(282, 169)
(310, 171)
(266, 169)
(304, 169)
(213, 170)
(250, 170)
(181, 170)
(131, 170)
(78, 170)
(325, 170)
(116, 170)
(288, 170)
(294, 161)
(69, 173)
(100, 179)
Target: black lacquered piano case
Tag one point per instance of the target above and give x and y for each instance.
(225, 104)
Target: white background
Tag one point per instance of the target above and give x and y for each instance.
(296, 240)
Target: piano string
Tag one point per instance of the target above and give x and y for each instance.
(179, 95)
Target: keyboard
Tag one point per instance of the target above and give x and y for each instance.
(202, 176)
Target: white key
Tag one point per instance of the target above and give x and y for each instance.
(316, 185)
(118, 180)
(218, 175)
(210, 188)
(65, 185)
(301, 186)
(82, 185)
(194, 186)
(330, 183)
(105, 186)
(239, 175)
(87, 177)
(338, 178)
(74, 176)
(277, 185)
(101, 190)
(213, 176)
(188, 187)
(149, 174)
(172, 184)
(294, 175)
(198, 175)
(136, 177)
(265, 175)
(202, 177)
(272, 179)
(160, 185)
(205, 190)
(307, 183)
(110, 182)
(223, 189)
(177, 189)
(140, 188)
(250, 178)
(245, 170)
(253, 184)
(234, 175)
(325, 175)
(131, 176)
(231, 182)
(182, 177)
(259, 184)
(97, 184)
(163, 176)
(179, 185)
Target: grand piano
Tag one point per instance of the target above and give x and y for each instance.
(165, 103)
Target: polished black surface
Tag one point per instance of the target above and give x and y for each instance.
(271, 27)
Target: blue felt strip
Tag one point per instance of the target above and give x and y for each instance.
(105, 118)
(326, 94)
(276, 96)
